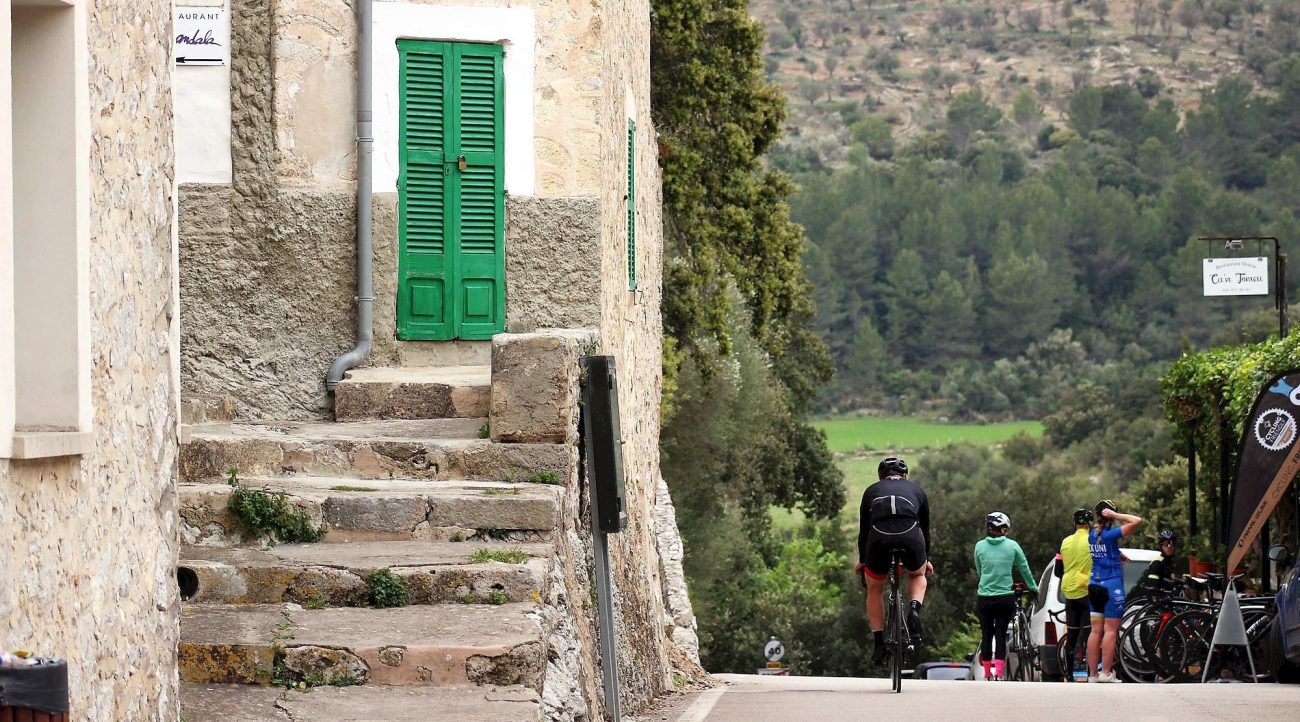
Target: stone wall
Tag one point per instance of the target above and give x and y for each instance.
(631, 329)
(313, 61)
(266, 298)
(89, 544)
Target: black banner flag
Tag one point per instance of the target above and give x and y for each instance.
(1268, 460)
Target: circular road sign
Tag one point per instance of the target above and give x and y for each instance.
(774, 650)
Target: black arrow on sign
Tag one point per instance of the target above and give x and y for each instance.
(182, 60)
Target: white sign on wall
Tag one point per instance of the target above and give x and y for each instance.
(201, 33)
(1236, 276)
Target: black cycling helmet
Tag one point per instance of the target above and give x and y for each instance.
(1167, 535)
(1083, 516)
(893, 466)
(1105, 504)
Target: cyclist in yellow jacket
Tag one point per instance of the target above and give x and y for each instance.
(1074, 567)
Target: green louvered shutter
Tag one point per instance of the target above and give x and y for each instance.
(631, 205)
(451, 264)
(481, 290)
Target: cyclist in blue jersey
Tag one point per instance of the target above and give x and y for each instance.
(1106, 587)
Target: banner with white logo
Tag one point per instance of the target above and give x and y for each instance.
(1236, 276)
(1267, 461)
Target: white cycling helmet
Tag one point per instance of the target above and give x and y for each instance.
(998, 520)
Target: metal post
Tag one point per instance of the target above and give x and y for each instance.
(605, 617)
(1191, 485)
(600, 551)
(1225, 470)
(1283, 313)
(1266, 575)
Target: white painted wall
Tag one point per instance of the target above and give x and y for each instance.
(51, 210)
(513, 27)
(6, 244)
(201, 97)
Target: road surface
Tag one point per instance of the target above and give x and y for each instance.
(794, 699)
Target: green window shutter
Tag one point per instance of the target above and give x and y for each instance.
(480, 192)
(631, 204)
(424, 233)
(451, 225)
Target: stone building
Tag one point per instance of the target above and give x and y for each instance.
(89, 364)
(514, 217)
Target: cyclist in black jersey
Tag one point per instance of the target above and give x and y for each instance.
(1161, 574)
(895, 514)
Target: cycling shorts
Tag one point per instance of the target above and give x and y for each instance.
(911, 545)
(1076, 613)
(1106, 597)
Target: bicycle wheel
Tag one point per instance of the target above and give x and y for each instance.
(1184, 645)
(1030, 661)
(1257, 621)
(1136, 647)
(900, 631)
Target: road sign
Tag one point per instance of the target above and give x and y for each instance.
(774, 650)
(777, 672)
(1236, 276)
(201, 32)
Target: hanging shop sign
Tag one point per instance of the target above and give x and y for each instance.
(1236, 276)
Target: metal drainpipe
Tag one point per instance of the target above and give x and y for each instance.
(365, 246)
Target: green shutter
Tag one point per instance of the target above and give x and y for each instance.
(631, 204)
(451, 225)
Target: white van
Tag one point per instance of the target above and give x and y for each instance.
(1046, 630)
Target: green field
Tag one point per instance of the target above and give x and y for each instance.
(894, 434)
(903, 434)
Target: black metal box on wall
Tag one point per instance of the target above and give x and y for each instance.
(604, 443)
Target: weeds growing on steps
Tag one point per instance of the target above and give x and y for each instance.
(506, 556)
(269, 514)
(544, 477)
(386, 589)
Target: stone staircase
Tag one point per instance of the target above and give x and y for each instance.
(405, 480)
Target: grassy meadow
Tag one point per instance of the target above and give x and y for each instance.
(906, 434)
(860, 443)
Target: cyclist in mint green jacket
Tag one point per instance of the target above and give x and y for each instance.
(995, 556)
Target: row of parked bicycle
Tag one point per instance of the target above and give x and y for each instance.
(1166, 632)
(1165, 636)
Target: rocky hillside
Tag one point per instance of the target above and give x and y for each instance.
(841, 59)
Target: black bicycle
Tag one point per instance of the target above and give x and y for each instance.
(1029, 667)
(897, 636)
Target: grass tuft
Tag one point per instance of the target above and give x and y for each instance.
(506, 556)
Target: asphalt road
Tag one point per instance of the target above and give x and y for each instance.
(794, 699)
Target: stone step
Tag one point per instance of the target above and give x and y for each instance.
(332, 574)
(422, 392)
(440, 645)
(382, 510)
(367, 703)
(421, 449)
(444, 353)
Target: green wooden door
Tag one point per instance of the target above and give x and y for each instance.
(451, 220)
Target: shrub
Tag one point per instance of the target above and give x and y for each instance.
(386, 589)
(269, 514)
